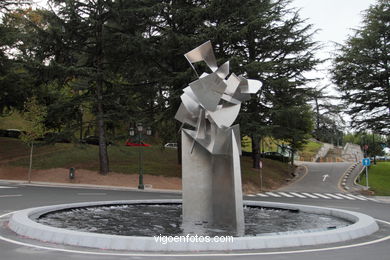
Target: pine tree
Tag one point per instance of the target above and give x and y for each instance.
(362, 71)
(269, 42)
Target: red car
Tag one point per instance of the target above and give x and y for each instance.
(129, 143)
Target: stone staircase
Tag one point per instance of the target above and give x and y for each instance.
(352, 153)
(348, 153)
(333, 155)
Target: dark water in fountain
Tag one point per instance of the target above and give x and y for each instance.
(165, 219)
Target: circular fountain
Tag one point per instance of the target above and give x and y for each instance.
(333, 225)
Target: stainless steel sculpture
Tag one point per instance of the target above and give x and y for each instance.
(211, 150)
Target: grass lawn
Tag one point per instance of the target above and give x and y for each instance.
(379, 178)
(124, 159)
(310, 150)
(11, 148)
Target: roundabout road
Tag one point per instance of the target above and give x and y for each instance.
(321, 177)
(19, 196)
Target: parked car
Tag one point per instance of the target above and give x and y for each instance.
(171, 145)
(275, 156)
(132, 143)
(56, 138)
(93, 139)
(13, 133)
(3, 133)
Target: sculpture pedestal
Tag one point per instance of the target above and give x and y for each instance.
(212, 192)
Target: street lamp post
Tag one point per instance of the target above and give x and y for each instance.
(140, 129)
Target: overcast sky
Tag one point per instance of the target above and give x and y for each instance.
(334, 20)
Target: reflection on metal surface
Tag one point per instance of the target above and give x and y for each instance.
(211, 166)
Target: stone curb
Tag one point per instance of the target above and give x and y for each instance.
(87, 186)
(22, 224)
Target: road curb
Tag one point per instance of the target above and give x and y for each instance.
(86, 186)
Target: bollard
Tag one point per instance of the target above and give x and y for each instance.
(72, 172)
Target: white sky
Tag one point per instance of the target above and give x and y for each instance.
(334, 19)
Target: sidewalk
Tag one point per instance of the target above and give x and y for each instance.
(86, 178)
(86, 186)
(385, 199)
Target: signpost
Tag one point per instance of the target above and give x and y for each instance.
(366, 162)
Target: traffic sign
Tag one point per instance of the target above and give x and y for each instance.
(366, 162)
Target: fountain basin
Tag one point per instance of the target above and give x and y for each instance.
(22, 222)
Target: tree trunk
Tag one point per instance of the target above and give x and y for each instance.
(81, 124)
(255, 151)
(317, 119)
(103, 155)
(30, 166)
(292, 157)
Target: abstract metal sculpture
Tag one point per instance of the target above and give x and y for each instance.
(211, 150)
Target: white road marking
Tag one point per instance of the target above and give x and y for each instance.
(273, 194)
(345, 196)
(251, 195)
(262, 195)
(286, 194)
(321, 195)
(7, 187)
(309, 195)
(324, 177)
(333, 196)
(91, 194)
(11, 195)
(298, 195)
(359, 198)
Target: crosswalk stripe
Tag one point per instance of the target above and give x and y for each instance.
(360, 196)
(321, 195)
(7, 187)
(309, 195)
(286, 194)
(298, 195)
(333, 196)
(353, 196)
(273, 194)
(344, 196)
(306, 195)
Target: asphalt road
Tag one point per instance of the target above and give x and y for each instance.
(320, 177)
(375, 247)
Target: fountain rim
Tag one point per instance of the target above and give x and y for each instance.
(22, 224)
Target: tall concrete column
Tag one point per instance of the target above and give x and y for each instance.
(212, 192)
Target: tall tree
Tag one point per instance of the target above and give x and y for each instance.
(176, 27)
(270, 42)
(87, 35)
(329, 121)
(362, 71)
(15, 81)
